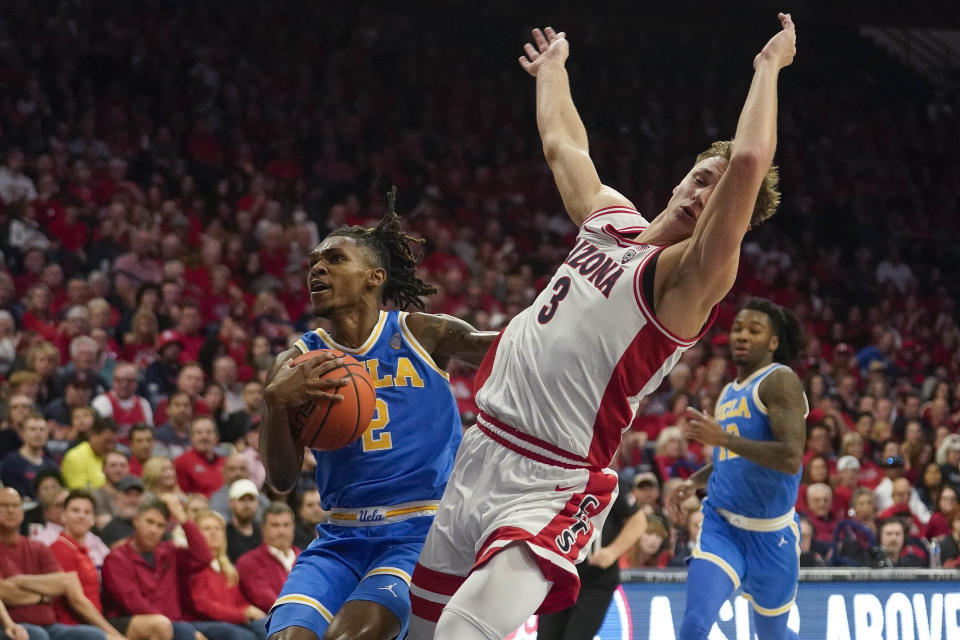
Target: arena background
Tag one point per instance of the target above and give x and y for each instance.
(330, 103)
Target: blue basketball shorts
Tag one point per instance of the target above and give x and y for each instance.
(764, 564)
(351, 563)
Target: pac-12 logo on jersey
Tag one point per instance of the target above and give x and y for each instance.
(627, 256)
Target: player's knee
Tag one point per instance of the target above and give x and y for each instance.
(371, 630)
(696, 625)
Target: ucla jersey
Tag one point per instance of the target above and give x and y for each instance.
(406, 454)
(736, 484)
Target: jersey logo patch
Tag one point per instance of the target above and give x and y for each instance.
(395, 341)
(389, 588)
(562, 489)
(627, 256)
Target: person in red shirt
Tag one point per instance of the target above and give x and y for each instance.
(848, 476)
(200, 469)
(32, 578)
(74, 556)
(214, 591)
(819, 504)
(143, 575)
(122, 402)
(141, 447)
(189, 381)
(38, 317)
(264, 570)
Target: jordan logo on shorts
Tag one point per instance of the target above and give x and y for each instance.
(782, 542)
(581, 524)
(389, 588)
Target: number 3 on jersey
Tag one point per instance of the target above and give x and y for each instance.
(375, 438)
(561, 288)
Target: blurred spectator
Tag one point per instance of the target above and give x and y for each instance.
(847, 481)
(240, 422)
(200, 468)
(128, 499)
(901, 553)
(214, 591)
(947, 505)
(950, 544)
(20, 467)
(249, 447)
(900, 495)
(234, 468)
(243, 532)
(51, 524)
(43, 360)
(160, 377)
(189, 381)
(808, 557)
(46, 487)
(122, 403)
(16, 187)
(819, 511)
(672, 456)
(160, 477)
(78, 392)
(34, 578)
(141, 447)
(309, 514)
(225, 374)
(85, 357)
(83, 465)
(948, 457)
(194, 503)
(646, 491)
(818, 443)
(136, 267)
(687, 537)
(929, 484)
(74, 553)
(893, 467)
(115, 468)
(264, 570)
(173, 436)
(651, 550)
(19, 409)
(854, 540)
(143, 575)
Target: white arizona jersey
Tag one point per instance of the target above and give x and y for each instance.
(571, 369)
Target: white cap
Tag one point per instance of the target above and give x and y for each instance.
(242, 487)
(848, 462)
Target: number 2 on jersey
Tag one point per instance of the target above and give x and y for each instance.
(375, 438)
(562, 288)
(726, 454)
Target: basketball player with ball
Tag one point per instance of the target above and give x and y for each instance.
(384, 433)
(531, 486)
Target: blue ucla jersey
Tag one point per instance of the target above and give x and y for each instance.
(406, 454)
(736, 484)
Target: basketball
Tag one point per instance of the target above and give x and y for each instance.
(324, 425)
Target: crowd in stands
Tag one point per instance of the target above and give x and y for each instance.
(160, 190)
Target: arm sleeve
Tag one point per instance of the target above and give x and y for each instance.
(213, 601)
(252, 584)
(197, 554)
(120, 581)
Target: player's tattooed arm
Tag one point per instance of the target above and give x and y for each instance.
(782, 393)
(447, 337)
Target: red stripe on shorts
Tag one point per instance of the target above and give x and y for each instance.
(425, 609)
(444, 584)
(526, 437)
(526, 453)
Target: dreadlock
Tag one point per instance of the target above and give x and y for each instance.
(393, 250)
(785, 324)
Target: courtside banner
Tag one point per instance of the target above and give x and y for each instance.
(831, 604)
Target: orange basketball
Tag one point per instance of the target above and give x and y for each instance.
(324, 425)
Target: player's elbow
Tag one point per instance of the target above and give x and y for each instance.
(752, 159)
(793, 462)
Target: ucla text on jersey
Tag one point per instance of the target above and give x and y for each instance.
(407, 452)
(736, 484)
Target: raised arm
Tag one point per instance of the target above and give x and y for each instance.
(782, 393)
(706, 265)
(446, 337)
(562, 132)
(290, 386)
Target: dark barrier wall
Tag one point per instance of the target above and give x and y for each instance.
(830, 605)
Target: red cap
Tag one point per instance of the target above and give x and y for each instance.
(169, 337)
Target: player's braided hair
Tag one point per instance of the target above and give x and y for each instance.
(393, 249)
(785, 325)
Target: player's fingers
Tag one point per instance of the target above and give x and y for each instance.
(329, 383)
(550, 33)
(532, 53)
(540, 40)
(323, 395)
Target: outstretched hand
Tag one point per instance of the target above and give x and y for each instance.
(550, 47)
(782, 47)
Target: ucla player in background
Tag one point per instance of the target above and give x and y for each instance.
(750, 538)
(353, 581)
